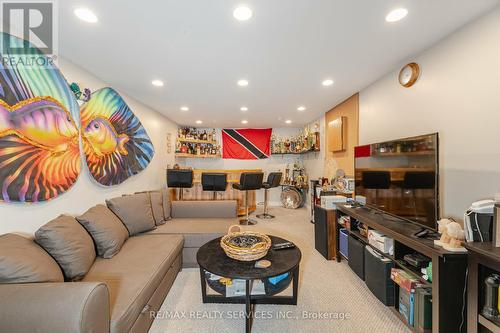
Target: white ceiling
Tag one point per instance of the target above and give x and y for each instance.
(285, 51)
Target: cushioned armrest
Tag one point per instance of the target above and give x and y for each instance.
(54, 307)
(204, 208)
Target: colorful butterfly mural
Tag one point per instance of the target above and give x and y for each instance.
(40, 128)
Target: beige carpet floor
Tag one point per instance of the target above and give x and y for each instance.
(331, 297)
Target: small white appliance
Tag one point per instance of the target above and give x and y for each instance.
(474, 217)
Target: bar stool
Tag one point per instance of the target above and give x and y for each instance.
(376, 180)
(249, 181)
(273, 180)
(415, 180)
(214, 182)
(180, 178)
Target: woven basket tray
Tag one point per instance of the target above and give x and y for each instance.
(245, 245)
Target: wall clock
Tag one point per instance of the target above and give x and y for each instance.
(409, 74)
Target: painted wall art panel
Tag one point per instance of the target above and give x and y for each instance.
(41, 124)
(39, 145)
(115, 143)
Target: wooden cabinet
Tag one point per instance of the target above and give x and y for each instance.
(484, 259)
(325, 232)
(448, 268)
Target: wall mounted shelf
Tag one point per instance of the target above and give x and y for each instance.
(186, 140)
(181, 155)
(297, 153)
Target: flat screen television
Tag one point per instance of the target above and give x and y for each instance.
(401, 178)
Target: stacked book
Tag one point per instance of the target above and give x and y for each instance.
(415, 300)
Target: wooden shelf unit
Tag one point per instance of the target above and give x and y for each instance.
(492, 327)
(297, 153)
(448, 268)
(484, 259)
(400, 316)
(181, 155)
(197, 141)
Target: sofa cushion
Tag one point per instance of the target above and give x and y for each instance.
(106, 229)
(134, 274)
(23, 261)
(167, 204)
(69, 244)
(196, 231)
(134, 211)
(156, 198)
(204, 208)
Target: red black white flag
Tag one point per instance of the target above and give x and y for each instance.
(246, 144)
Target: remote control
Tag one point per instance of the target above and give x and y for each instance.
(282, 246)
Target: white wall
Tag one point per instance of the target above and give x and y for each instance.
(26, 218)
(458, 96)
(314, 163)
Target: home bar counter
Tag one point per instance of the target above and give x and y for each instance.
(233, 176)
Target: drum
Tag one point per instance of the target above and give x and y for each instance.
(292, 198)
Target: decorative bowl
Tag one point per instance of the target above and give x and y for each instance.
(245, 245)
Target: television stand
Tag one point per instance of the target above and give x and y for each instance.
(448, 268)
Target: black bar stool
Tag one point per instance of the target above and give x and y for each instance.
(273, 180)
(249, 181)
(180, 178)
(214, 182)
(376, 180)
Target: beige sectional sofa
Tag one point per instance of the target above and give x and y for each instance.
(198, 222)
(117, 294)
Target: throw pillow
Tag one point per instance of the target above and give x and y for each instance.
(167, 205)
(134, 211)
(156, 198)
(23, 261)
(106, 229)
(69, 244)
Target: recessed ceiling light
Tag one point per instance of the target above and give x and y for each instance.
(327, 82)
(199, 122)
(288, 121)
(244, 108)
(86, 15)
(157, 83)
(242, 13)
(184, 108)
(242, 83)
(301, 108)
(244, 121)
(396, 15)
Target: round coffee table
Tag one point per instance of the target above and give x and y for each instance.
(212, 258)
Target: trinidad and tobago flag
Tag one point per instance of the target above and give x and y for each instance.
(246, 144)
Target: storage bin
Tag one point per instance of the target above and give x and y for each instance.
(356, 250)
(378, 276)
(343, 243)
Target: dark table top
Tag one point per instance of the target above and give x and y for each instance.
(486, 249)
(212, 258)
(397, 228)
